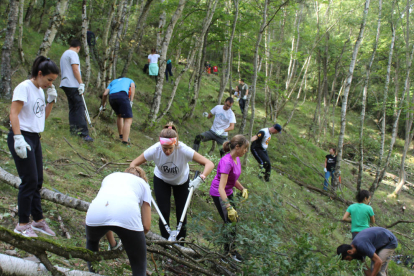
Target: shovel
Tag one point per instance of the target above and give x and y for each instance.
(174, 233)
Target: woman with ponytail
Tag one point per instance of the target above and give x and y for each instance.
(221, 190)
(171, 172)
(28, 112)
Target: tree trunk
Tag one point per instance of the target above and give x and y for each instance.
(85, 24)
(19, 40)
(44, 10)
(364, 99)
(6, 85)
(29, 12)
(111, 14)
(161, 24)
(55, 22)
(345, 97)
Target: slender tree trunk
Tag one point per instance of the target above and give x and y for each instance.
(44, 10)
(156, 102)
(346, 92)
(29, 12)
(20, 39)
(85, 24)
(5, 84)
(111, 14)
(55, 22)
(161, 24)
(364, 99)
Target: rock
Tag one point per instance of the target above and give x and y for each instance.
(11, 253)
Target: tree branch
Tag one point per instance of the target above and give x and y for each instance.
(400, 221)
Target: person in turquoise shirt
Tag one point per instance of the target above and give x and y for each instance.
(361, 213)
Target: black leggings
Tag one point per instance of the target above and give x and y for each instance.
(162, 192)
(263, 159)
(132, 241)
(221, 208)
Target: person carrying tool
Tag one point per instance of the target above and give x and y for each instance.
(221, 190)
(121, 102)
(71, 83)
(171, 172)
(377, 243)
(243, 93)
(361, 213)
(330, 164)
(259, 146)
(28, 113)
(123, 205)
(224, 121)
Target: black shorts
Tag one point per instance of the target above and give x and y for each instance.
(120, 104)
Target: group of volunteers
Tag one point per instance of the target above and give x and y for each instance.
(123, 203)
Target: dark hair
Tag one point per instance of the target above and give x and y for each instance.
(238, 140)
(45, 65)
(153, 51)
(229, 99)
(169, 131)
(362, 195)
(343, 251)
(242, 80)
(334, 149)
(75, 43)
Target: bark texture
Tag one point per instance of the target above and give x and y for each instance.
(85, 24)
(20, 39)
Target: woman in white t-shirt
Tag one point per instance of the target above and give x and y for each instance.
(28, 113)
(172, 173)
(153, 63)
(123, 205)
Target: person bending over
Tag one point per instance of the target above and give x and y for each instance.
(171, 172)
(224, 121)
(259, 146)
(123, 205)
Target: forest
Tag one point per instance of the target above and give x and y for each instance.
(332, 74)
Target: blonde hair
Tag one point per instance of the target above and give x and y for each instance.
(169, 131)
(137, 171)
(238, 140)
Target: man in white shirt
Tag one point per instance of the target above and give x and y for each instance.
(224, 121)
(73, 86)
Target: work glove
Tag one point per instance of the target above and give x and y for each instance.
(81, 88)
(232, 214)
(219, 132)
(51, 94)
(245, 194)
(325, 170)
(102, 108)
(205, 114)
(196, 182)
(245, 97)
(131, 103)
(21, 146)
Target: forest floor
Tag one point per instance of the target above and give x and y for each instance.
(72, 167)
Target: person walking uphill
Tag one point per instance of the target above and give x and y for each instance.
(224, 121)
(153, 63)
(243, 89)
(330, 164)
(123, 205)
(73, 86)
(168, 69)
(28, 113)
(171, 172)
(221, 190)
(361, 213)
(377, 243)
(259, 146)
(121, 102)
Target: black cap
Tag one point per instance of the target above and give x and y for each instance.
(278, 127)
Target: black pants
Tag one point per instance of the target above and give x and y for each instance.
(168, 71)
(261, 156)
(241, 104)
(162, 192)
(221, 208)
(30, 171)
(77, 120)
(132, 241)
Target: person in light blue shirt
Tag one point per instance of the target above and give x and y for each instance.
(121, 95)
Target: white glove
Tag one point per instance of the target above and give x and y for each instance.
(101, 108)
(219, 132)
(325, 170)
(245, 97)
(20, 146)
(81, 88)
(205, 114)
(51, 94)
(196, 182)
(131, 103)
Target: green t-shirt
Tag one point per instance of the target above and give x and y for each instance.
(361, 216)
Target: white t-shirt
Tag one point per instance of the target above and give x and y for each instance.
(68, 58)
(119, 202)
(172, 169)
(222, 119)
(153, 58)
(32, 116)
(266, 138)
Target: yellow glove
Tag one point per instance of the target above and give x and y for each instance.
(245, 194)
(232, 214)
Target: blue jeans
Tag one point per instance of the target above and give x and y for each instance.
(327, 175)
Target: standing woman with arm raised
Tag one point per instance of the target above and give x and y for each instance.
(28, 113)
(171, 173)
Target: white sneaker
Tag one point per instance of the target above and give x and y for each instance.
(118, 245)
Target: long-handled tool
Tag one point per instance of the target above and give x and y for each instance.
(174, 233)
(87, 115)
